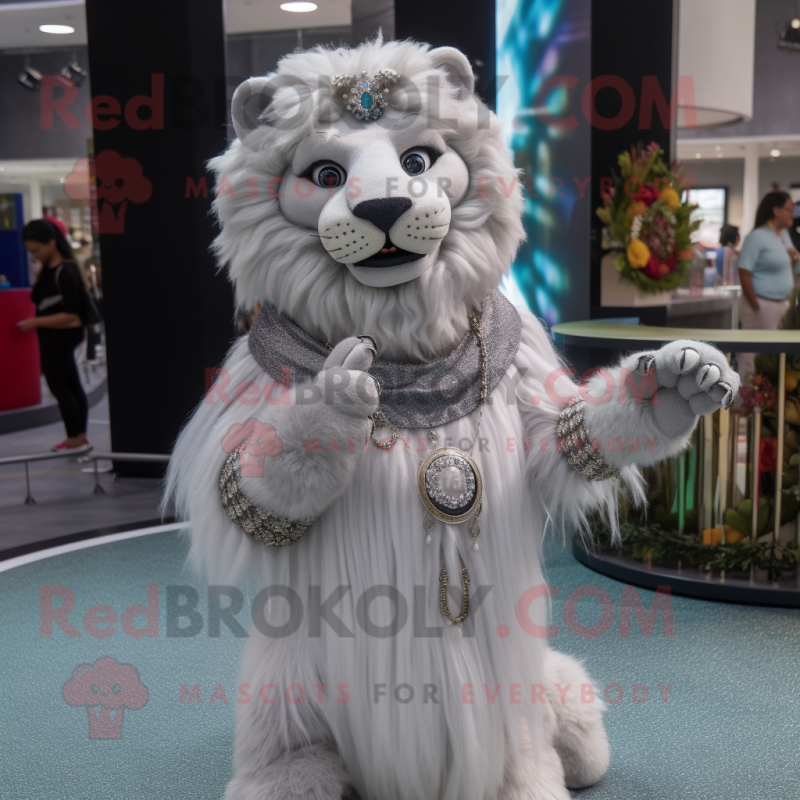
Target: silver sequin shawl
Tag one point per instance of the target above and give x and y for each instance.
(413, 395)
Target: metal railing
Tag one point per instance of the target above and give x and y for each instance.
(83, 454)
(141, 458)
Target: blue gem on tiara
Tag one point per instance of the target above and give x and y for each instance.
(367, 97)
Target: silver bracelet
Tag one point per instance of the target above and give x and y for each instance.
(576, 443)
(264, 526)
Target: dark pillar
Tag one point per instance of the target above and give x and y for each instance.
(169, 315)
(630, 40)
(469, 27)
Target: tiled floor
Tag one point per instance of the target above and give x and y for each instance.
(702, 707)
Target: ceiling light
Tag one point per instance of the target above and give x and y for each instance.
(718, 148)
(30, 78)
(717, 69)
(56, 29)
(300, 8)
(796, 23)
(775, 153)
(697, 155)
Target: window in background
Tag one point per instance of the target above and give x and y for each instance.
(712, 212)
(258, 53)
(259, 34)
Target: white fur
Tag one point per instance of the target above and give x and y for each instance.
(688, 378)
(284, 264)
(370, 537)
(369, 532)
(575, 749)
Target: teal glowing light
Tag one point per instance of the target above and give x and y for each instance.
(537, 39)
(550, 276)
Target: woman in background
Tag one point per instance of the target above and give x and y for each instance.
(727, 256)
(765, 270)
(57, 294)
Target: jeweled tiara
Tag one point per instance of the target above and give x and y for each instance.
(367, 96)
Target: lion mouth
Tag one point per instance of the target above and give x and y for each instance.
(389, 256)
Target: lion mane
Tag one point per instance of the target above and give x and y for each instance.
(271, 259)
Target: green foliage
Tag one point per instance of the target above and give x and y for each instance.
(742, 518)
(652, 541)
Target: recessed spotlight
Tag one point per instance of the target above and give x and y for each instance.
(789, 35)
(775, 153)
(56, 29)
(30, 78)
(75, 73)
(697, 155)
(299, 8)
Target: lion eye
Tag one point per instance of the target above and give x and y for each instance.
(329, 176)
(416, 162)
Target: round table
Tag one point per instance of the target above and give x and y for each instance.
(617, 336)
(576, 339)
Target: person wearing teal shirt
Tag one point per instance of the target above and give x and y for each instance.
(766, 270)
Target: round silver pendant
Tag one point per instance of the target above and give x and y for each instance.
(450, 486)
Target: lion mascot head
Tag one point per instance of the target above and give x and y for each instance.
(368, 189)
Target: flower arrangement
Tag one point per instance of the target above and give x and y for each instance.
(758, 391)
(647, 222)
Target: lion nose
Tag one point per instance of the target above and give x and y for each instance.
(384, 212)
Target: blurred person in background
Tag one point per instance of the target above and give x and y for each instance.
(58, 296)
(84, 255)
(794, 235)
(794, 228)
(727, 256)
(765, 265)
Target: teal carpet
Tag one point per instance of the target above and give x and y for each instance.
(729, 730)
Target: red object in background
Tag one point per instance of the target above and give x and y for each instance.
(57, 222)
(768, 454)
(20, 385)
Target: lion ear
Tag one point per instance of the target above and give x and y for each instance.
(250, 100)
(457, 67)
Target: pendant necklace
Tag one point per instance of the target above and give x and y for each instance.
(449, 485)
